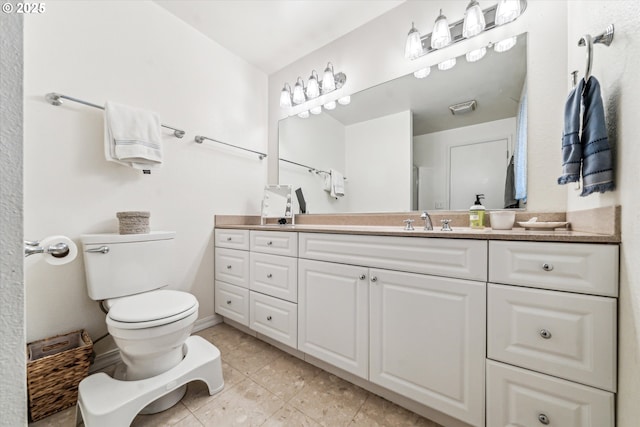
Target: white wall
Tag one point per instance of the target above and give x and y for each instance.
(13, 393)
(374, 53)
(134, 53)
(322, 148)
(382, 141)
(431, 150)
(616, 67)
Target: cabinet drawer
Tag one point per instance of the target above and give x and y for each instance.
(232, 266)
(575, 267)
(233, 239)
(274, 275)
(274, 318)
(232, 302)
(571, 336)
(459, 258)
(274, 242)
(516, 397)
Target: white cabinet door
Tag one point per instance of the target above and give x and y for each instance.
(232, 266)
(520, 398)
(232, 239)
(274, 275)
(232, 302)
(333, 314)
(428, 340)
(274, 318)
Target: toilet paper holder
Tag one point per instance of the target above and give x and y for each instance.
(57, 250)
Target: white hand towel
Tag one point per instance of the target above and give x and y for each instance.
(326, 182)
(337, 184)
(132, 136)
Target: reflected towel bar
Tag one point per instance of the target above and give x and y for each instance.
(200, 139)
(311, 169)
(54, 99)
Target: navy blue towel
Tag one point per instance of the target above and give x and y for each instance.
(587, 152)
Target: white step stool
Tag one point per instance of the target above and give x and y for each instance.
(107, 402)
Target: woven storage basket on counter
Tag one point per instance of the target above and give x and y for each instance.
(55, 367)
(133, 222)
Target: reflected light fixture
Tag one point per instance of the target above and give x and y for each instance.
(298, 92)
(316, 110)
(505, 45)
(422, 73)
(303, 115)
(345, 100)
(441, 35)
(447, 65)
(329, 79)
(330, 105)
(413, 47)
(474, 22)
(285, 96)
(507, 11)
(313, 87)
(476, 54)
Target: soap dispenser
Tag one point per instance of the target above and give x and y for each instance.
(476, 213)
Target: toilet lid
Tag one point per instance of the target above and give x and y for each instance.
(149, 306)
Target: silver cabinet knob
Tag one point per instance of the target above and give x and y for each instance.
(228, 239)
(228, 301)
(547, 267)
(545, 334)
(228, 267)
(269, 243)
(543, 419)
(362, 276)
(101, 249)
(269, 276)
(269, 318)
(374, 279)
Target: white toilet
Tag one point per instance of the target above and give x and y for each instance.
(149, 324)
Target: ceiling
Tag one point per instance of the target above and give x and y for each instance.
(272, 34)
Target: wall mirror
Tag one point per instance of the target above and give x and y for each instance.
(401, 148)
(276, 202)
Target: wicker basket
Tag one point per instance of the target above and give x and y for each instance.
(55, 367)
(133, 222)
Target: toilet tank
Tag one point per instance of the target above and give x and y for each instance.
(118, 265)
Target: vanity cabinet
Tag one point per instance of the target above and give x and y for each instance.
(551, 334)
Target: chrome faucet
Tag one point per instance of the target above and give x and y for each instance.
(427, 221)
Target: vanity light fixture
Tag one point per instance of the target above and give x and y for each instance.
(475, 22)
(447, 65)
(505, 45)
(422, 73)
(476, 54)
(309, 97)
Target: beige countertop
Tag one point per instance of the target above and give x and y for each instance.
(599, 225)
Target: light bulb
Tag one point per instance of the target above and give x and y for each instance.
(331, 105)
(328, 81)
(474, 22)
(505, 45)
(345, 100)
(313, 88)
(507, 11)
(316, 110)
(422, 73)
(298, 92)
(447, 65)
(441, 36)
(303, 115)
(413, 47)
(476, 54)
(285, 96)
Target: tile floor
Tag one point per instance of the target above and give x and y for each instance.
(265, 386)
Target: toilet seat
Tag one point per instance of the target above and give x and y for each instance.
(151, 309)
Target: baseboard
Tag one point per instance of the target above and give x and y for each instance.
(206, 322)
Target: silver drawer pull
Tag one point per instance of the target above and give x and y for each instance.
(269, 276)
(101, 249)
(269, 243)
(543, 419)
(374, 279)
(545, 334)
(228, 267)
(228, 301)
(228, 239)
(547, 267)
(362, 277)
(269, 318)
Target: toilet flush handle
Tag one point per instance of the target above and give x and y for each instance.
(101, 249)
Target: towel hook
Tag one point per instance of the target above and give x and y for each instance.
(606, 37)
